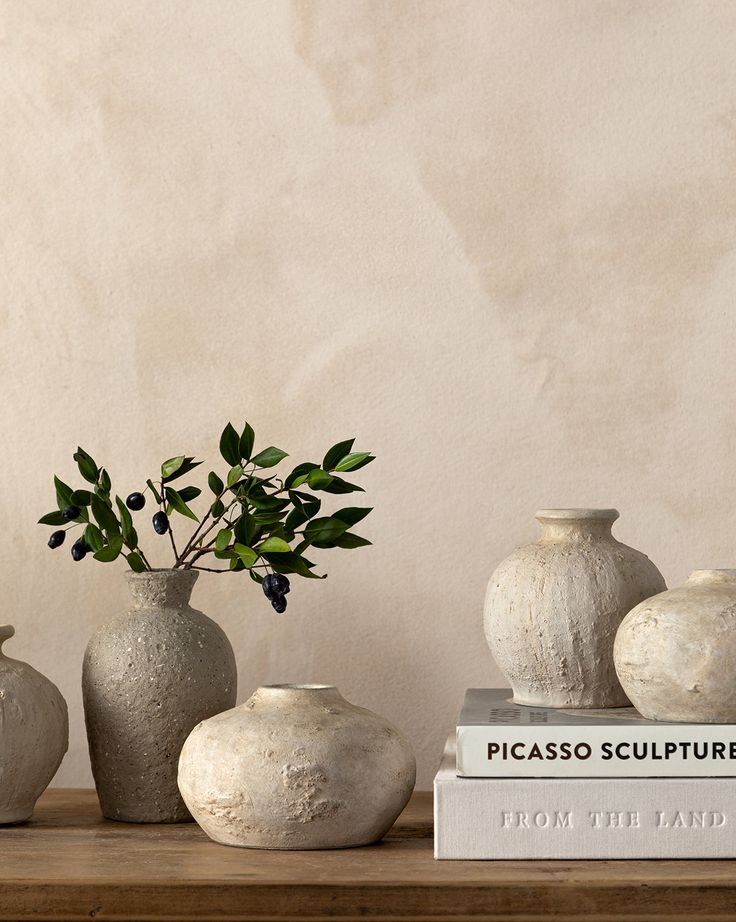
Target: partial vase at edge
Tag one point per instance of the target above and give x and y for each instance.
(552, 610)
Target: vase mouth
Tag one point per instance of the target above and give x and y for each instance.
(6, 632)
(290, 687)
(577, 515)
(162, 588)
(713, 576)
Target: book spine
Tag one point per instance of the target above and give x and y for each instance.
(477, 818)
(641, 751)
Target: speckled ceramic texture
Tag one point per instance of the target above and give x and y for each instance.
(552, 610)
(296, 767)
(34, 734)
(676, 653)
(149, 677)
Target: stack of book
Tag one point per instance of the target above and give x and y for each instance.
(535, 782)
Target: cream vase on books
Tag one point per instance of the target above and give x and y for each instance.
(296, 767)
(676, 653)
(553, 608)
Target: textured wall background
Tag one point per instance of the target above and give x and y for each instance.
(494, 240)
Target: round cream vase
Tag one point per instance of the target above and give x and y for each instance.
(296, 767)
(34, 734)
(552, 610)
(676, 653)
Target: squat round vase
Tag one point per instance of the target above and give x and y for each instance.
(676, 653)
(34, 734)
(296, 767)
(149, 677)
(552, 610)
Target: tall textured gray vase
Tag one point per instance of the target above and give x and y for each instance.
(149, 678)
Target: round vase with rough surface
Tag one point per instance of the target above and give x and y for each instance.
(34, 734)
(552, 610)
(296, 767)
(676, 653)
(149, 677)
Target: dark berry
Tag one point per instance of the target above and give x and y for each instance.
(79, 549)
(279, 604)
(135, 501)
(57, 538)
(268, 589)
(71, 512)
(160, 523)
(279, 584)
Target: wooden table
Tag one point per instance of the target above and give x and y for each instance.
(69, 863)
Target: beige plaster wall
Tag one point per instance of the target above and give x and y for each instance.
(493, 240)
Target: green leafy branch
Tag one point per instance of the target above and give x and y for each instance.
(254, 521)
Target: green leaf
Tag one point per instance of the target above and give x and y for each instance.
(351, 515)
(339, 485)
(223, 539)
(273, 546)
(178, 503)
(319, 479)
(296, 518)
(247, 440)
(87, 467)
(299, 475)
(234, 475)
(236, 564)
(105, 481)
(246, 554)
(154, 491)
(171, 466)
(325, 530)
(349, 540)
(81, 498)
(53, 518)
(217, 509)
(267, 518)
(215, 484)
(189, 493)
(354, 461)
(230, 445)
(269, 457)
(130, 536)
(266, 503)
(336, 454)
(188, 465)
(292, 563)
(94, 537)
(111, 551)
(63, 493)
(136, 562)
(255, 576)
(106, 518)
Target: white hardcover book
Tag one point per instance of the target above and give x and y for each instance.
(497, 738)
(502, 818)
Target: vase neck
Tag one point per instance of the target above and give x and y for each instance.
(575, 524)
(161, 588)
(712, 577)
(6, 632)
(286, 695)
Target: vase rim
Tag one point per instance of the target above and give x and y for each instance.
(165, 571)
(713, 575)
(607, 515)
(6, 632)
(287, 687)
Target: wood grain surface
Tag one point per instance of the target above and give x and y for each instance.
(69, 863)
